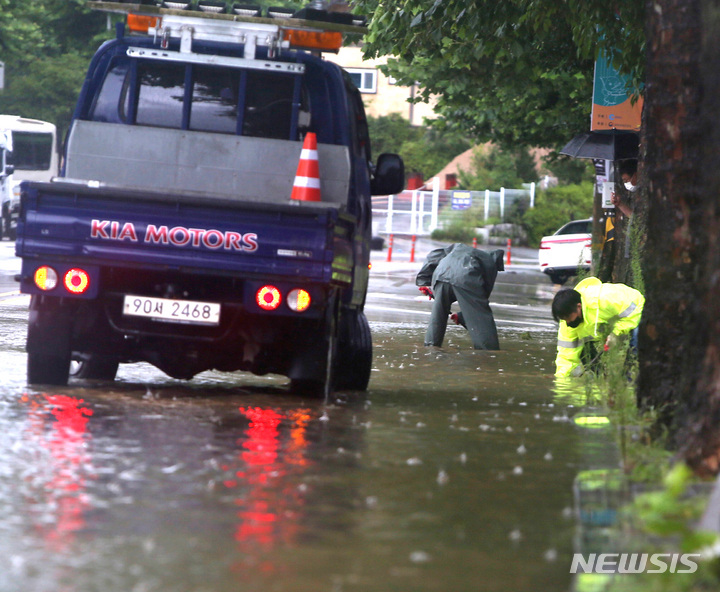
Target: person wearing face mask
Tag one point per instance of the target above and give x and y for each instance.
(629, 175)
(587, 313)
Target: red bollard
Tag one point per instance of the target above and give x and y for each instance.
(390, 245)
(412, 250)
(509, 249)
(474, 242)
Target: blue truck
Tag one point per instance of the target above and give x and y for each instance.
(170, 236)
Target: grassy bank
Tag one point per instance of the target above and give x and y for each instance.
(661, 499)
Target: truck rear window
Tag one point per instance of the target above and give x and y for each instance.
(161, 95)
(200, 98)
(215, 100)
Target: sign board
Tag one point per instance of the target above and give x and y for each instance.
(604, 185)
(612, 106)
(608, 190)
(2, 75)
(461, 200)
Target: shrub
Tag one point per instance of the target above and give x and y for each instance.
(554, 207)
(456, 232)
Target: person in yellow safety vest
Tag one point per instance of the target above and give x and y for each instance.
(589, 312)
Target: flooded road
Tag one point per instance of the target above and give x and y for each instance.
(454, 471)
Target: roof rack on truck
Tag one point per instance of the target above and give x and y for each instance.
(312, 28)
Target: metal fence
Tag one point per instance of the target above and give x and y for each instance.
(421, 212)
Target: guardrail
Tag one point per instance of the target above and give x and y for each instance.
(421, 212)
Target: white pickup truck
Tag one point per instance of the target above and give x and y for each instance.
(567, 251)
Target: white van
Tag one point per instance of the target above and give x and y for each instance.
(29, 154)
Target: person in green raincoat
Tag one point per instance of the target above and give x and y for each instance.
(462, 274)
(587, 313)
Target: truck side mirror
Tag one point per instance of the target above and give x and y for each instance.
(389, 177)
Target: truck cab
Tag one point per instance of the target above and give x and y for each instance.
(175, 193)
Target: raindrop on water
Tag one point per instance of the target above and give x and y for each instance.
(419, 557)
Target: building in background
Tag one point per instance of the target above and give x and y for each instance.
(381, 95)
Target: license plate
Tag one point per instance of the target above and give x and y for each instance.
(169, 310)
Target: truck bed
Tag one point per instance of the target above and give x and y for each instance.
(95, 224)
(178, 161)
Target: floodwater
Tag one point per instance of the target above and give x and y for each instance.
(454, 472)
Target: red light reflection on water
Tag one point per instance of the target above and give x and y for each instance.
(58, 425)
(271, 504)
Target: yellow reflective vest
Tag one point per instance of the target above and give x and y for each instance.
(606, 308)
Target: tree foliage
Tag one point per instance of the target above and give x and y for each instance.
(569, 171)
(556, 206)
(517, 71)
(424, 150)
(46, 46)
(493, 168)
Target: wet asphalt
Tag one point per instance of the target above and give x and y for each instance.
(456, 470)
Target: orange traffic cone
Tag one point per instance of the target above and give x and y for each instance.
(307, 178)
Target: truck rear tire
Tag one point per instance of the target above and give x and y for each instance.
(319, 388)
(354, 359)
(48, 369)
(94, 367)
(48, 340)
(322, 358)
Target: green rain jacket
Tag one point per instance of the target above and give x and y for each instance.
(606, 308)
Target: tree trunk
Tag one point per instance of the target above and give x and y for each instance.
(701, 446)
(679, 337)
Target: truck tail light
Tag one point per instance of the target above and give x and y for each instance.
(326, 40)
(268, 297)
(298, 300)
(76, 281)
(138, 23)
(46, 278)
